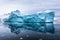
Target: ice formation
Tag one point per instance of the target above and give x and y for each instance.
(32, 21)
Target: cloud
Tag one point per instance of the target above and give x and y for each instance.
(28, 6)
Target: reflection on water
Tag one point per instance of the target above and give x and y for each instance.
(42, 27)
(42, 31)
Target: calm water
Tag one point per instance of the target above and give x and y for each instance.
(23, 34)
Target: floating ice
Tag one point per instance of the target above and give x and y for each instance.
(31, 22)
(49, 17)
(41, 16)
(14, 19)
(46, 16)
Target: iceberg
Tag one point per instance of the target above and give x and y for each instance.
(31, 22)
(46, 16)
(42, 22)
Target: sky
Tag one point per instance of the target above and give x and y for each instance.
(30, 6)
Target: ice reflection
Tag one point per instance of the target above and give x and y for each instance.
(40, 27)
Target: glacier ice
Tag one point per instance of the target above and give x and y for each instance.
(14, 20)
(41, 16)
(46, 16)
(42, 21)
(49, 16)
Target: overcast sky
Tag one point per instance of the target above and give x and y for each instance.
(29, 6)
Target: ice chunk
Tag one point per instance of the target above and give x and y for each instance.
(14, 19)
(33, 22)
(46, 16)
(49, 17)
(41, 16)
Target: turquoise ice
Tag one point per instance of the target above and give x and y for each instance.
(41, 16)
(30, 21)
(15, 19)
(49, 17)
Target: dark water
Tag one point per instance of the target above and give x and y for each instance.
(6, 33)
